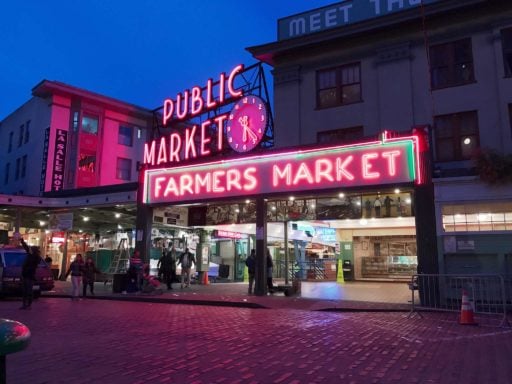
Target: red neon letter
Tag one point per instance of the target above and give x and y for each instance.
(182, 106)
(196, 102)
(162, 152)
(231, 78)
(391, 155)
(158, 187)
(149, 153)
(174, 147)
(340, 168)
(250, 178)
(278, 174)
(210, 99)
(219, 122)
(168, 110)
(367, 174)
(221, 87)
(217, 180)
(233, 179)
(186, 182)
(190, 148)
(303, 173)
(204, 139)
(323, 170)
(205, 182)
(171, 188)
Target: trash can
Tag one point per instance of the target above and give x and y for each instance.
(119, 282)
(348, 270)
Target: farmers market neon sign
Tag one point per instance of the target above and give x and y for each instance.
(388, 161)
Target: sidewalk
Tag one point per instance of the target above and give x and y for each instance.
(324, 296)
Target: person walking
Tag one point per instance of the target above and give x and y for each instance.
(89, 276)
(28, 273)
(136, 269)
(186, 260)
(251, 268)
(270, 269)
(75, 269)
(165, 268)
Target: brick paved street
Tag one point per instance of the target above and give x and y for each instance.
(100, 341)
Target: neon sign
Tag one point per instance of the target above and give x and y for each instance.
(389, 161)
(229, 234)
(197, 140)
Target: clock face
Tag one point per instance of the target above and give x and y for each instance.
(247, 123)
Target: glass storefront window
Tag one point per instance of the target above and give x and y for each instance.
(477, 217)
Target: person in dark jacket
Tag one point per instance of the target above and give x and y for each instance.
(89, 275)
(167, 267)
(270, 270)
(251, 268)
(187, 260)
(76, 269)
(28, 273)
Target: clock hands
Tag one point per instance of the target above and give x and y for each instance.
(244, 122)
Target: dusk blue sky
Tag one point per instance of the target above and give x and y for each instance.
(137, 51)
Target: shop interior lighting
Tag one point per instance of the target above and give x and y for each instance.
(42, 223)
(86, 218)
(397, 190)
(341, 195)
(118, 215)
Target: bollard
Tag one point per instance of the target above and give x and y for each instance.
(14, 337)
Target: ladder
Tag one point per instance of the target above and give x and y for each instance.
(120, 258)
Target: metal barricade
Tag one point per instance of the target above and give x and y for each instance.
(444, 293)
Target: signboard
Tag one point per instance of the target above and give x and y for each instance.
(59, 159)
(341, 14)
(60, 221)
(242, 128)
(46, 144)
(171, 216)
(229, 235)
(377, 163)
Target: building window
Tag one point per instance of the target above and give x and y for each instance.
(341, 136)
(75, 121)
(23, 166)
(20, 139)
(11, 136)
(90, 124)
(125, 136)
(7, 171)
(87, 162)
(451, 64)
(338, 86)
(456, 136)
(18, 166)
(27, 131)
(124, 169)
(477, 217)
(506, 43)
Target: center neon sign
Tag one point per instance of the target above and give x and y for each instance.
(195, 140)
(388, 161)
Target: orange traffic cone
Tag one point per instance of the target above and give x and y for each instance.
(205, 278)
(466, 310)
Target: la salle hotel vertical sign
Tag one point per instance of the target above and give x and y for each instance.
(387, 161)
(59, 159)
